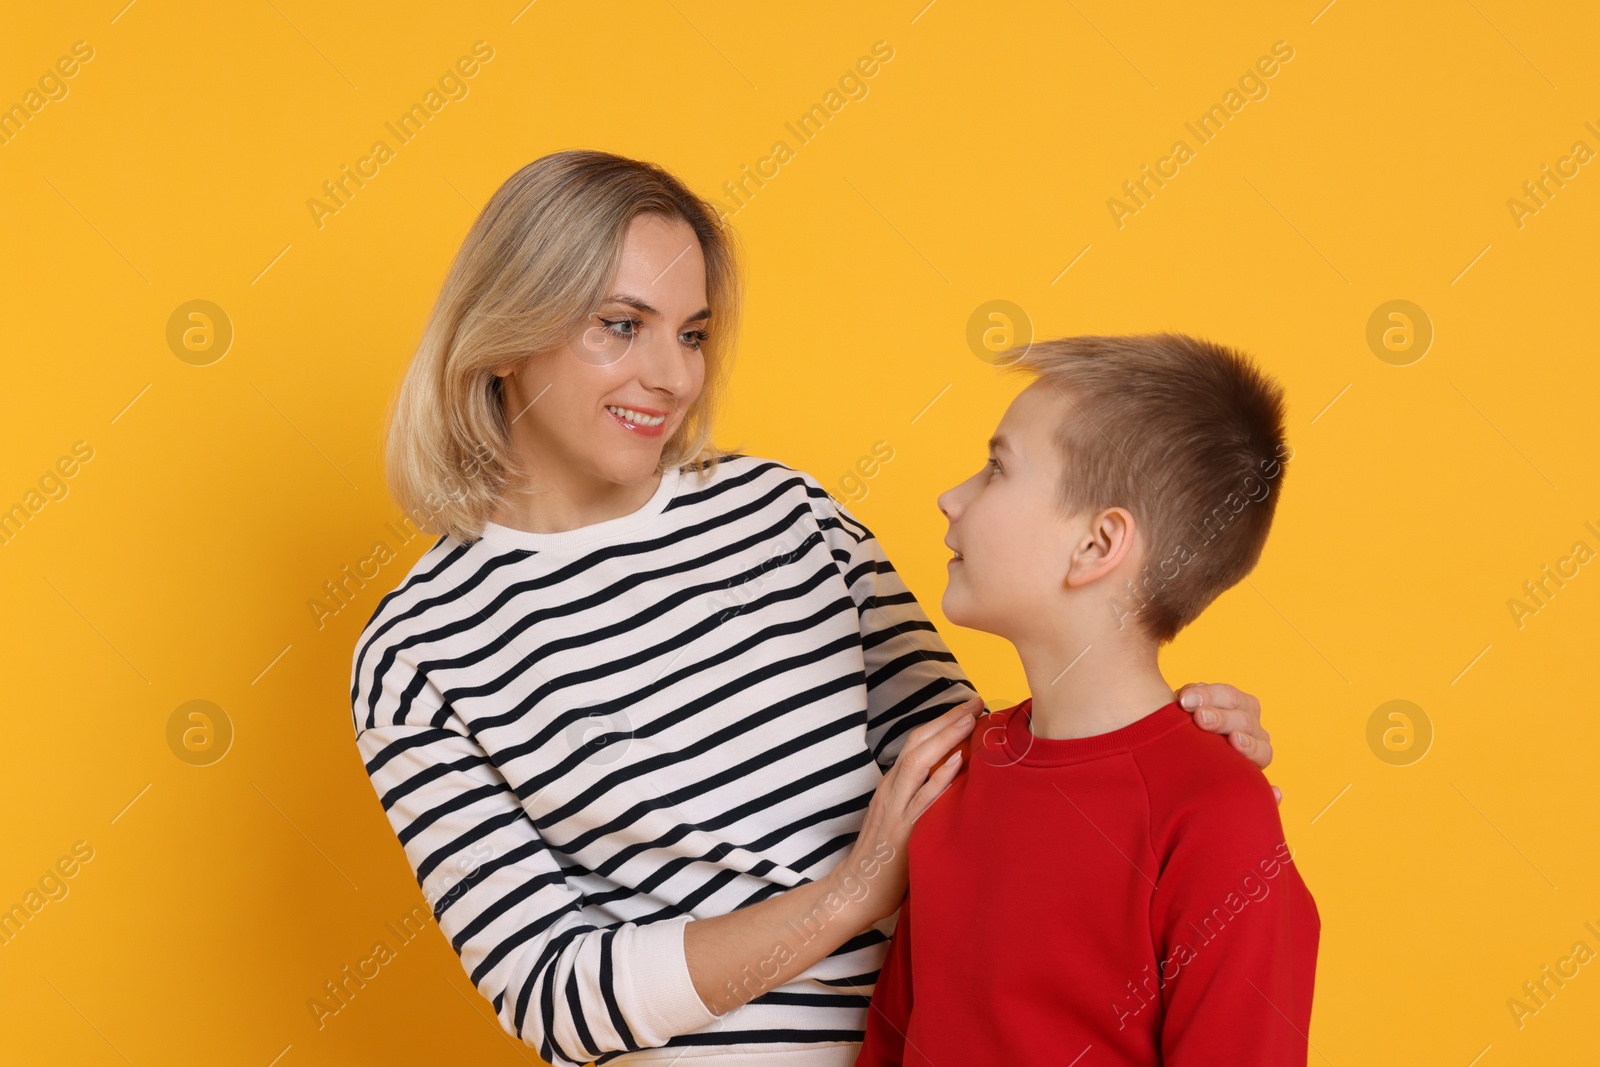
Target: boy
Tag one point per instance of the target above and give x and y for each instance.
(1101, 881)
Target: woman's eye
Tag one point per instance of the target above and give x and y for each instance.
(611, 326)
(694, 338)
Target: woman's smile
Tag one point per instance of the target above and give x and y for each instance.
(646, 422)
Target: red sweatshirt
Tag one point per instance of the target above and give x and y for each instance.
(1126, 898)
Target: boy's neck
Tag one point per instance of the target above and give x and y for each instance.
(1107, 687)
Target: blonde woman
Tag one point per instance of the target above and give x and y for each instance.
(652, 721)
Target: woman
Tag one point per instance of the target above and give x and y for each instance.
(651, 721)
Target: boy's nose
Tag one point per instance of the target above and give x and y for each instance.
(950, 502)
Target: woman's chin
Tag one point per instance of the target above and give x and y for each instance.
(634, 467)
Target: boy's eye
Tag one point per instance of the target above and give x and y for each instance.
(995, 464)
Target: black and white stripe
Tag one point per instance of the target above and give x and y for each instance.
(585, 740)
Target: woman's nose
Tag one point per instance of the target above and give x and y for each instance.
(665, 366)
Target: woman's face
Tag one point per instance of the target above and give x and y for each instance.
(603, 406)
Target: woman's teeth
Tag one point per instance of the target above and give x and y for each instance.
(635, 417)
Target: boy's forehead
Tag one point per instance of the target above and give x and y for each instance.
(1034, 415)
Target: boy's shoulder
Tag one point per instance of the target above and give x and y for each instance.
(1199, 784)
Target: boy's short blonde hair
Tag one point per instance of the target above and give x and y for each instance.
(1189, 437)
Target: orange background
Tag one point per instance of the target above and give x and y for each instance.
(179, 562)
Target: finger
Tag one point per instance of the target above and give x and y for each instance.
(1229, 720)
(1218, 695)
(964, 710)
(937, 783)
(1220, 707)
(920, 755)
(1278, 793)
(1257, 751)
(932, 740)
(1223, 696)
(967, 707)
(946, 771)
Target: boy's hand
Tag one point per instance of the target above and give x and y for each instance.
(1221, 708)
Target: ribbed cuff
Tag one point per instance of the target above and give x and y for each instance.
(654, 989)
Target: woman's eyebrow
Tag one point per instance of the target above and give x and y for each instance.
(639, 304)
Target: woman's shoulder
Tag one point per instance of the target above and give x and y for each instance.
(734, 462)
(745, 469)
(746, 484)
(428, 592)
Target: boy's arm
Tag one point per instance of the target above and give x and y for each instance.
(889, 1015)
(1236, 932)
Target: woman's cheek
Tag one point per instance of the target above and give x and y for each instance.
(699, 377)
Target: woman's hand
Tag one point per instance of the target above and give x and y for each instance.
(1222, 709)
(877, 870)
(811, 920)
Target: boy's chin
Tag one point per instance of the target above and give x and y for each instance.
(958, 609)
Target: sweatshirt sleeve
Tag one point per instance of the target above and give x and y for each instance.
(565, 986)
(889, 1015)
(911, 676)
(1236, 931)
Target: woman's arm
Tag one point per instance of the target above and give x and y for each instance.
(564, 986)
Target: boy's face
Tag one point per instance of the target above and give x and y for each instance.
(1013, 543)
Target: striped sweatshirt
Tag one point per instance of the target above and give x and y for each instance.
(586, 739)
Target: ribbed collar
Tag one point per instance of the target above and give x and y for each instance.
(594, 534)
(1021, 747)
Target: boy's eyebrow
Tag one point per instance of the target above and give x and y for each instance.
(639, 304)
(998, 443)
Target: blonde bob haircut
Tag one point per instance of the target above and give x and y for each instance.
(537, 262)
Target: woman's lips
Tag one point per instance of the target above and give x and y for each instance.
(635, 428)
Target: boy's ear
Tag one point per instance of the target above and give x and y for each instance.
(1101, 547)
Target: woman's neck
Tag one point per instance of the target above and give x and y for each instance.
(556, 507)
